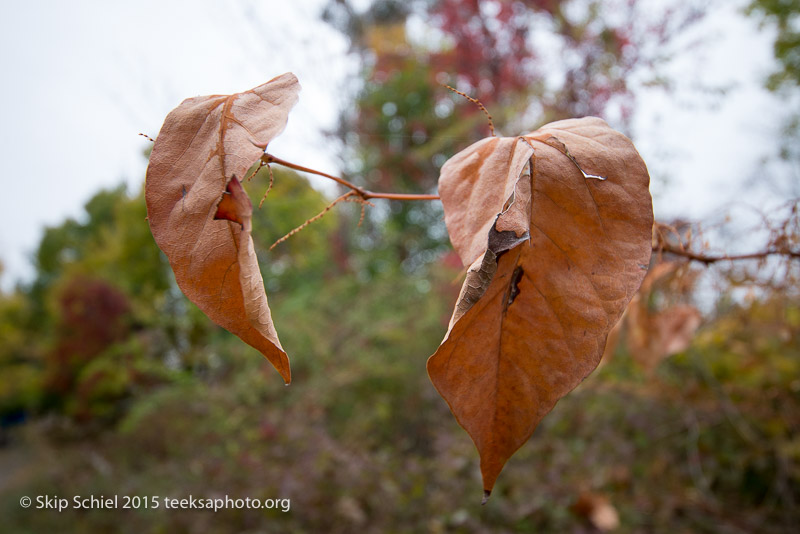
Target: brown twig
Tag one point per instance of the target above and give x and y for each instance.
(477, 103)
(253, 174)
(269, 188)
(364, 204)
(709, 259)
(363, 213)
(316, 217)
(678, 241)
(261, 165)
(361, 192)
(667, 238)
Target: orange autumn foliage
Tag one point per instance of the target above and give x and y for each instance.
(199, 214)
(555, 256)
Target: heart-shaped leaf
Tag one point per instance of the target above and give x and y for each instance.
(556, 228)
(201, 217)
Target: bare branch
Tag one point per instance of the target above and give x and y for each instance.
(363, 193)
(709, 259)
(316, 217)
(269, 188)
(477, 103)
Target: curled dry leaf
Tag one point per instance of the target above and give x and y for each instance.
(556, 228)
(654, 335)
(200, 215)
(597, 510)
(675, 328)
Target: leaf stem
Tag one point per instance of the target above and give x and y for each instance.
(361, 192)
(399, 196)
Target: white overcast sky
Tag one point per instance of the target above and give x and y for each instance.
(82, 78)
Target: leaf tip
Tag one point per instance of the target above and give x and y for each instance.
(486, 495)
(285, 371)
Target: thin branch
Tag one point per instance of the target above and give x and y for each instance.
(709, 259)
(399, 196)
(269, 188)
(316, 217)
(269, 158)
(361, 192)
(364, 204)
(477, 103)
(261, 165)
(363, 212)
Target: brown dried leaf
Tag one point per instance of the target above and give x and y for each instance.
(652, 337)
(655, 334)
(539, 324)
(201, 217)
(676, 326)
(597, 510)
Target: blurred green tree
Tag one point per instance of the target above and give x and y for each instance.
(784, 15)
